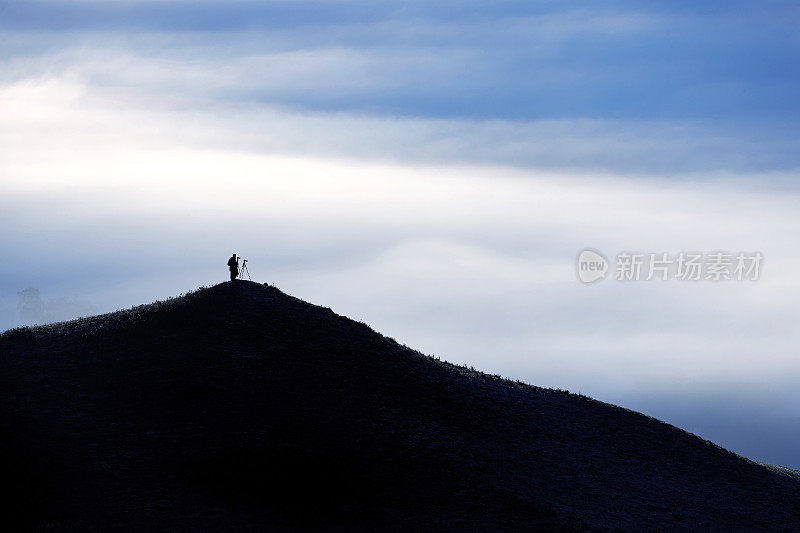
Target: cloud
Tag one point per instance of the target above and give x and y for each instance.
(100, 118)
(431, 170)
(481, 256)
(730, 67)
(33, 309)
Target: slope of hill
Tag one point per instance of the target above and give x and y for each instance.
(239, 407)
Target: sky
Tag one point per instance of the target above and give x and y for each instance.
(432, 169)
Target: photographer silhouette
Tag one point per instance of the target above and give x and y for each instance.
(233, 265)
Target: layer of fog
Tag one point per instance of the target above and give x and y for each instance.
(111, 202)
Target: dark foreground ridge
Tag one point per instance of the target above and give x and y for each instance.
(238, 407)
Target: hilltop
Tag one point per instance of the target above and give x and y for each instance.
(238, 407)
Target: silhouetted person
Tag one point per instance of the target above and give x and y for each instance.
(233, 264)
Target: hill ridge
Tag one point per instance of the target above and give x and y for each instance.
(207, 397)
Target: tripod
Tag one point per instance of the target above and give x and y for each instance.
(245, 269)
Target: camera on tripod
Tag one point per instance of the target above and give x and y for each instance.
(244, 269)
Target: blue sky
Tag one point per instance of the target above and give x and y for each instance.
(432, 170)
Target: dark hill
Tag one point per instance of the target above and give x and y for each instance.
(239, 407)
